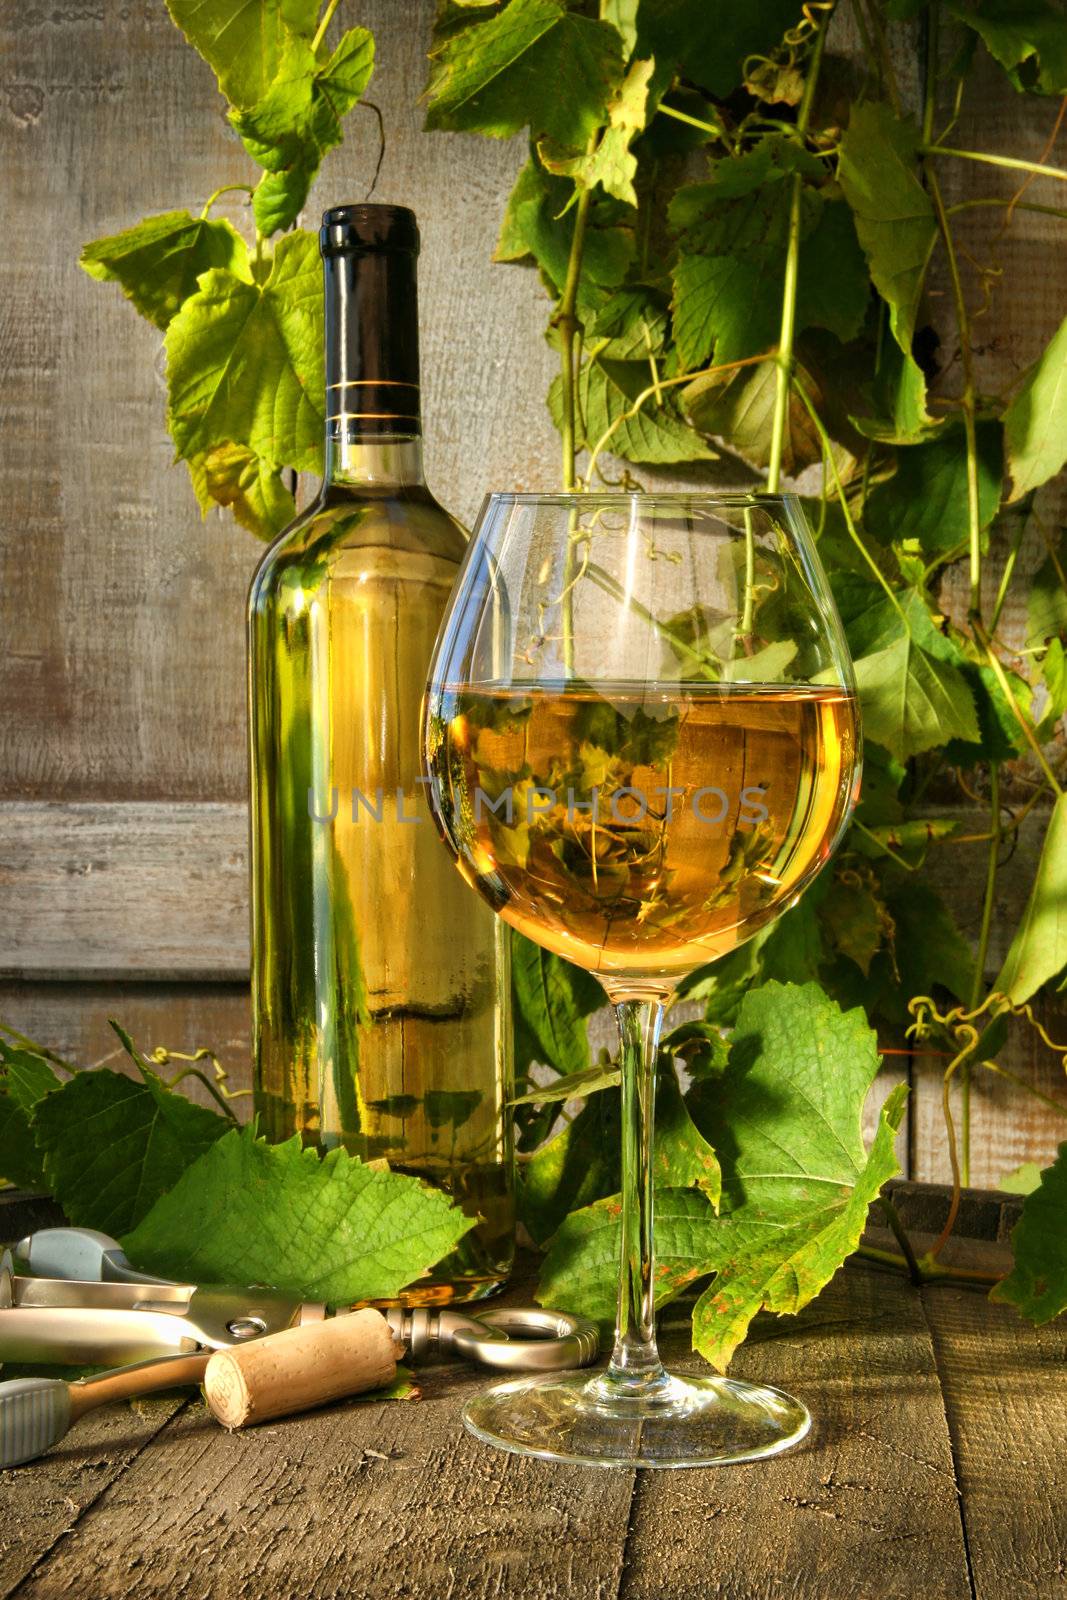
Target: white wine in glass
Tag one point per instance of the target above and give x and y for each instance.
(642, 744)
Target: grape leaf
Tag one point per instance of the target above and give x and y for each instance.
(578, 1165)
(1037, 1282)
(926, 499)
(575, 1086)
(1023, 1179)
(711, 42)
(537, 225)
(553, 998)
(741, 411)
(232, 475)
(1027, 37)
(786, 1120)
(244, 361)
(581, 1269)
(682, 1158)
(298, 121)
(1038, 951)
(157, 263)
(928, 946)
(833, 285)
(534, 64)
(855, 920)
(1035, 424)
(328, 1229)
(911, 700)
(244, 42)
(1046, 604)
(898, 397)
(111, 1146)
(607, 391)
(790, 949)
(894, 215)
(612, 164)
(25, 1079)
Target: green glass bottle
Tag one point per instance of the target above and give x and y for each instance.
(379, 982)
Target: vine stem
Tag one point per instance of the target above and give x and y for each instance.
(824, 440)
(927, 1273)
(980, 961)
(787, 335)
(227, 188)
(1007, 205)
(1012, 163)
(320, 31)
(567, 323)
(1029, 735)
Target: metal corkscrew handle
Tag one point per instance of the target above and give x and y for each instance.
(556, 1342)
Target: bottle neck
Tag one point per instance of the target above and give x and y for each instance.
(355, 460)
(373, 424)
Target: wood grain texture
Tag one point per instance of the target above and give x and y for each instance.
(134, 890)
(853, 1510)
(125, 670)
(1006, 1400)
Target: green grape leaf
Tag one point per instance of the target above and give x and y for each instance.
(1035, 424)
(112, 1146)
(790, 950)
(25, 1079)
(855, 920)
(710, 43)
(575, 1086)
(552, 997)
(898, 398)
(622, 14)
(928, 946)
(1038, 952)
(699, 1045)
(254, 490)
(1054, 677)
(328, 1229)
(741, 412)
(298, 121)
(607, 393)
(926, 499)
(538, 226)
(833, 285)
(581, 1269)
(786, 1120)
(1046, 604)
(157, 263)
(579, 1165)
(911, 700)
(631, 325)
(244, 361)
(1023, 1179)
(681, 1156)
(534, 64)
(245, 42)
(612, 164)
(894, 215)
(1027, 37)
(1037, 1282)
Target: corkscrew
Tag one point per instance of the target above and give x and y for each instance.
(84, 1304)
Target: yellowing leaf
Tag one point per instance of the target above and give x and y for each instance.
(612, 164)
(252, 488)
(244, 362)
(157, 262)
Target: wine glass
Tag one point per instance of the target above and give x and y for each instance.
(641, 737)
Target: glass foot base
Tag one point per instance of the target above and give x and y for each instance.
(686, 1422)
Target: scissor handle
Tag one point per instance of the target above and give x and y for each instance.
(559, 1341)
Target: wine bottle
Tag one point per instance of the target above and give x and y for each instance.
(379, 982)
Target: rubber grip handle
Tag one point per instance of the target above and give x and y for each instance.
(34, 1414)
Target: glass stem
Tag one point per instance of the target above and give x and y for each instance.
(635, 1365)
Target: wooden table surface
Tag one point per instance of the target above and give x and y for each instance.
(935, 1471)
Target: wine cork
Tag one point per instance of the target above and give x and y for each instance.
(300, 1368)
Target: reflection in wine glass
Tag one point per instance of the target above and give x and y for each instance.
(641, 736)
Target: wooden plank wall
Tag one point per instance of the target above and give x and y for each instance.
(122, 759)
